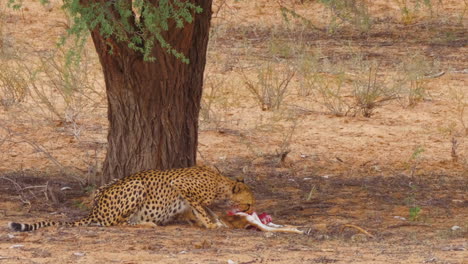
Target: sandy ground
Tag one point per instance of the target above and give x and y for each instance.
(337, 171)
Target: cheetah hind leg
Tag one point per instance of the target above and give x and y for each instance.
(119, 204)
(135, 220)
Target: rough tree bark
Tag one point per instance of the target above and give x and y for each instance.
(153, 107)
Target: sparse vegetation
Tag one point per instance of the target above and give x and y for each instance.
(353, 12)
(64, 90)
(341, 12)
(59, 90)
(459, 129)
(281, 125)
(271, 86)
(49, 89)
(414, 210)
(212, 95)
(13, 84)
(309, 66)
(460, 101)
(414, 213)
(413, 74)
(350, 116)
(332, 85)
(324, 82)
(370, 91)
(280, 49)
(331, 93)
(410, 9)
(415, 159)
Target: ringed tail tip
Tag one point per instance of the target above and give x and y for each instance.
(17, 226)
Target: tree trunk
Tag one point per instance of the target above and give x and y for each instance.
(153, 107)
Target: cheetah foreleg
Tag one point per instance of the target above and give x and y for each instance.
(215, 217)
(202, 217)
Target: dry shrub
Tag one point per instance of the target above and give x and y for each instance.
(48, 87)
(459, 98)
(13, 84)
(271, 86)
(412, 10)
(65, 90)
(412, 76)
(45, 87)
(217, 100)
(342, 12)
(352, 12)
(323, 82)
(281, 125)
(344, 89)
(371, 90)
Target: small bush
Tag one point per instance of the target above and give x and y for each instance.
(342, 12)
(412, 77)
(270, 88)
(353, 12)
(309, 65)
(324, 82)
(330, 92)
(56, 89)
(410, 9)
(13, 84)
(414, 213)
(329, 84)
(280, 124)
(215, 101)
(370, 91)
(459, 98)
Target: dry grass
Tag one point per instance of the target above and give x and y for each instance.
(412, 77)
(214, 102)
(459, 98)
(352, 12)
(41, 90)
(13, 84)
(281, 126)
(270, 88)
(415, 10)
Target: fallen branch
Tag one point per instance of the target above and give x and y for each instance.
(408, 224)
(360, 229)
(20, 190)
(435, 75)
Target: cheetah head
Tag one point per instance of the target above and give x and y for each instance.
(242, 197)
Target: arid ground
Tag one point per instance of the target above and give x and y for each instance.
(348, 121)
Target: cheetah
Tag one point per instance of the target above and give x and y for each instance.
(159, 196)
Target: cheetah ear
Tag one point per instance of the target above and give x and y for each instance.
(240, 179)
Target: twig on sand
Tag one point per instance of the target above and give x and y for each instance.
(360, 229)
(408, 224)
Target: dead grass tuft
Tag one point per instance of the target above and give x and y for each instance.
(271, 85)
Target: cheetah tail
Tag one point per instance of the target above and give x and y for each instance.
(82, 222)
(20, 227)
(31, 227)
